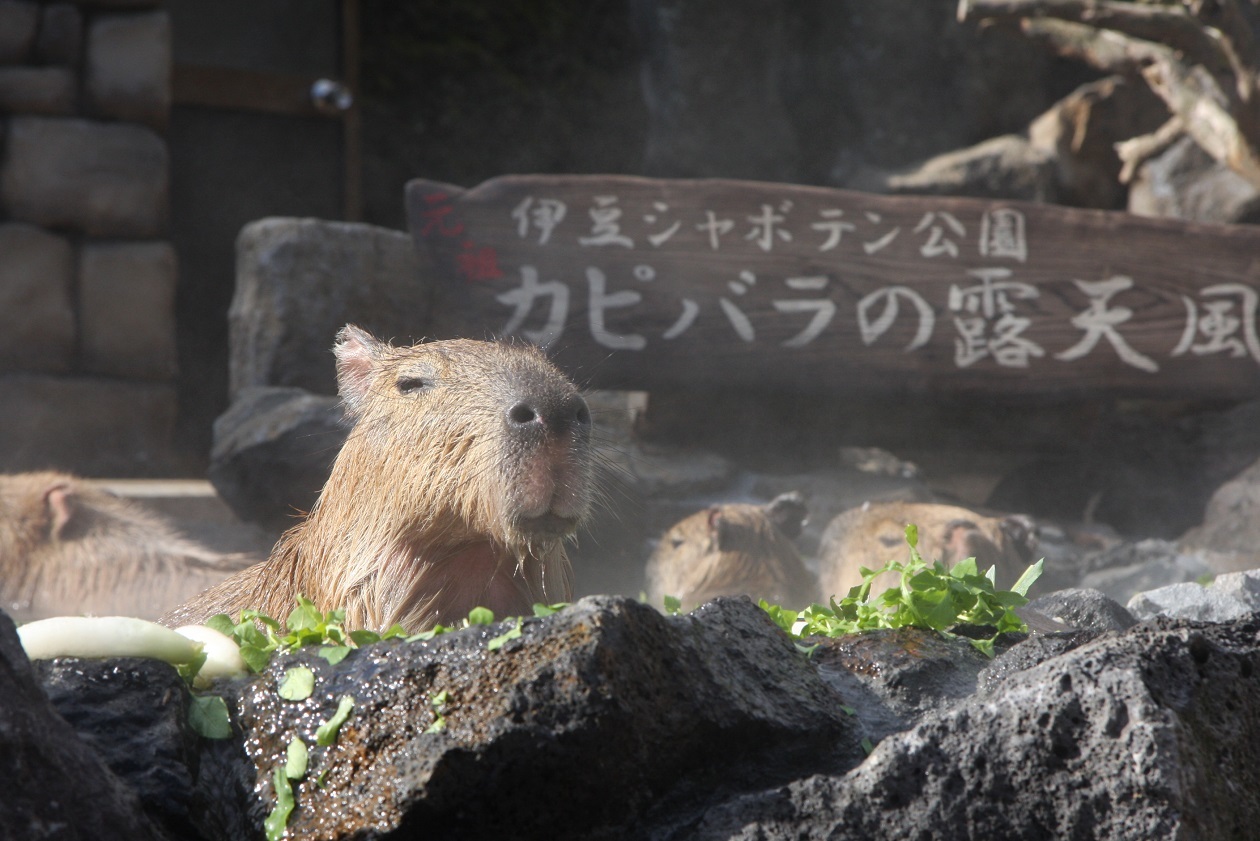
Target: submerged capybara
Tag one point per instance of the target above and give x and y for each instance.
(468, 465)
(734, 549)
(873, 534)
(67, 547)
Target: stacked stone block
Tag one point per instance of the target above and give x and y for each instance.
(87, 276)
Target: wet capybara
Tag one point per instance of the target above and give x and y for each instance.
(468, 465)
(873, 534)
(734, 549)
(67, 547)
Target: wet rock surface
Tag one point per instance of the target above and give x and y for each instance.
(1121, 738)
(610, 720)
(133, 713)
(56, 785)
(588, 723)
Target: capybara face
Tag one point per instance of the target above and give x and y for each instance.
(468, 465)
(484, 436)
(67, 547)
(733, 549)
(875, 533)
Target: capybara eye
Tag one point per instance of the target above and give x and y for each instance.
(411, 385)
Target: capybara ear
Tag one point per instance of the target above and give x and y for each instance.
(60, 502)
(357, 353)
(722, 532)
(788, 512)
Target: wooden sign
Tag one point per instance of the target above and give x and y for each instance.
(642, 283)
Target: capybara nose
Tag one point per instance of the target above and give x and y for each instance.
(555, 415)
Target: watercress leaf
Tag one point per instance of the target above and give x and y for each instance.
(480, 616)
(222, 623)
(782, 617)
(511, 634)
(278, 818)
(251, 616)
(362, 638)
(967, 566)
(254, 657)
(327, 732)
(296, 757)
(435, 631)
(189, 670)
(985, 647)
(208, 716)
(395, 631)
(305, 617)
(334, 654)
(1029, 577)
(297, 684)
(672, 604)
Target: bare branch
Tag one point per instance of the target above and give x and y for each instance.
(1138, 150)
(1228, 19)
(1192, 95)
(1173, 26)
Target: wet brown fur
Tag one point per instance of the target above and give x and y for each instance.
(434, 504)
(67, 547)
(733, 549)
(875, 533)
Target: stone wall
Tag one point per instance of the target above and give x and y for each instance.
(87, 276)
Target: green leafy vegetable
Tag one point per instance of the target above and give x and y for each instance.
(334, 654)
(512, 633)
(297, 684)
(260, 636)
(480, 616)
(296, 757)
(672, 604)
(928, 596)
(438, 701)
(208, 716)
(278, 819)
(327, 732)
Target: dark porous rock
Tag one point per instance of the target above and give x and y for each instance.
(1033, 651)
(1145, 734)
(273, 451)
(891, 678)
(582, 727)
(55, 785)
(1084, 608)
(133, 713)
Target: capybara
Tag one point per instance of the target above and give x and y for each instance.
(873, 534)
(468, 465)
(67, 547)
(734, 549)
